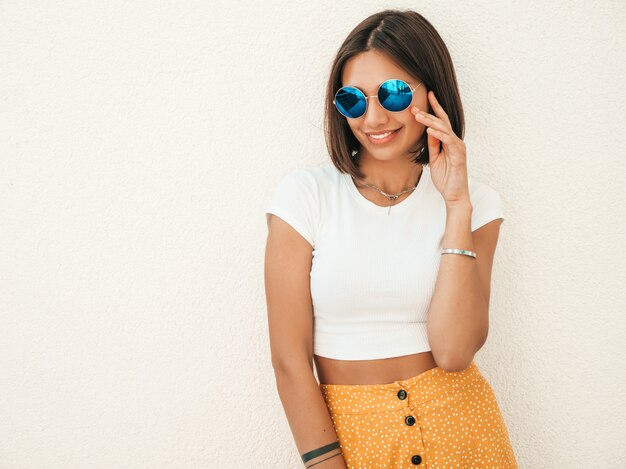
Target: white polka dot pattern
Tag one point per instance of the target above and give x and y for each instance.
(436, 419)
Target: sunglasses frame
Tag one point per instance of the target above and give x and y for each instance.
(375, 96)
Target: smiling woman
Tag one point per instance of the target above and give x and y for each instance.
(389, 305)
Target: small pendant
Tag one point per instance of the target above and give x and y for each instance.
(391, 199)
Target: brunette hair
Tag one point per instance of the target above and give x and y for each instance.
(414, 44)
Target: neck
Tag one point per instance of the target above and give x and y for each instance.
(390, 176)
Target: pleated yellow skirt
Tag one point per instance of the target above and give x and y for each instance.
(437, 420)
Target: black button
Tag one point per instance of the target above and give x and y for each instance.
(416, 459)
(410, 420)
(402, 394)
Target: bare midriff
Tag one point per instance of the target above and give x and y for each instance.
(381, 371)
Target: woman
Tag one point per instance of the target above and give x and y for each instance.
(378, 268)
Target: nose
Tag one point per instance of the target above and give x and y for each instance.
(375, 114)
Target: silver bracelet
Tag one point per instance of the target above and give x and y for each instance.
(458, 251)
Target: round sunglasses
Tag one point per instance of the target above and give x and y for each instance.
(394, 95)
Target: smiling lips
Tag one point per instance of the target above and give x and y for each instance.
(382, 137)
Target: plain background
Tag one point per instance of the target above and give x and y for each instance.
(140, 143)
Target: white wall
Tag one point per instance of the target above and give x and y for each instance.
(140, 142)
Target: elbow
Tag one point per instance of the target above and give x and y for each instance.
(459, 358)
(453, 359)
(292, 367)
(454, 363)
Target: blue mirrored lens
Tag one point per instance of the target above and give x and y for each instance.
(350, 102)
(395, 95)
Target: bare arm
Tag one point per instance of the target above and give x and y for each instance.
(458, 318)
(288, 260)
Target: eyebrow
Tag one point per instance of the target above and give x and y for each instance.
(410, 82)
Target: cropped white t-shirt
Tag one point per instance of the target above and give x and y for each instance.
(373, 270)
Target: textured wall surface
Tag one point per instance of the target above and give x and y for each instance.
(139, 145)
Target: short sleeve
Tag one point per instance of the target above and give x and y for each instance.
(296, 201)
(486, 206)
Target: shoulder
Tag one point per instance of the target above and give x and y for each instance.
(318, 179)
(322, 174)
(478, 188)
(486, 203)
(299, 198)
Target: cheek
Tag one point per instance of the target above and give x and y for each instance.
(414, 129)
(414, 126)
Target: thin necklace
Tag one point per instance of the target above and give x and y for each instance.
(391, 197)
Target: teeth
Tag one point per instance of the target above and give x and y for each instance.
(381, 135)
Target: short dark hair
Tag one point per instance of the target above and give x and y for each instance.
(413, 43)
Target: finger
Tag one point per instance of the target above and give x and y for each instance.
(434, 147)
(430, 120)
(439, 111)
(443, 136)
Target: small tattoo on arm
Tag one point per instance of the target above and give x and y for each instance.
(320, 451)
(316, 463)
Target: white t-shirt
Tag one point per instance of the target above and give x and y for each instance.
(374, 269)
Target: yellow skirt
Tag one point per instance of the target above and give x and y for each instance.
(436, 419)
